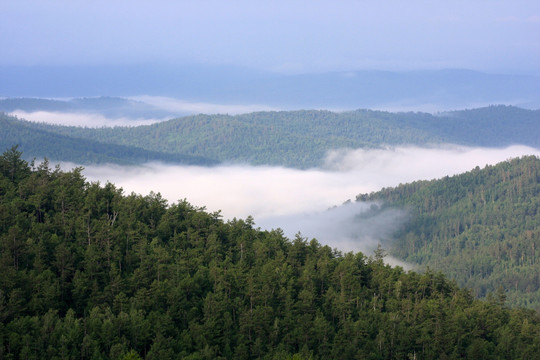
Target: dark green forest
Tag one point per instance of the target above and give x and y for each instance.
(89, 272)
(481, 228)
(298, 139)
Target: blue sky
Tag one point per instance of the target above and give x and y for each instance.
(285, 36)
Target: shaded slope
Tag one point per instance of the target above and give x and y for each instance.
(494, 126)
(481, 228)
(38, 142)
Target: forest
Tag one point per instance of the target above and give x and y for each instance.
(299, 139)
(480, 228)
(45, 144)
(89, 272)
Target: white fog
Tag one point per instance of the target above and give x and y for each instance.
(298, 200)
(91, 120)
(174, 107)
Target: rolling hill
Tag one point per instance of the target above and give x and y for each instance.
(302, 138)
(481, 228)
(39, 143)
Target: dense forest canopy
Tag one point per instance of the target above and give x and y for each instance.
(481, 228)
(92, 273)
(298, 139)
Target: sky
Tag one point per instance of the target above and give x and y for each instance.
(292, 36)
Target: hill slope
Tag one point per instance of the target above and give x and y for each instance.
(40, 142)
(302, 138)
(481, 228)
(88, 272)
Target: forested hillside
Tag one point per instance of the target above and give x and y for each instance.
(40, 143)
(302, 138)
(91, 272)
(481, 228)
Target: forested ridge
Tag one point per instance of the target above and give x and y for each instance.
(92, 273)
(300, 138)
(481, 228)
(43, 143)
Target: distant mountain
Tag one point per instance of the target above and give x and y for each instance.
(302, 138)
(111, 107)
(433, 89)
(480, 228)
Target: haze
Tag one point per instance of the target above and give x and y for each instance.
(97, 118)
(283, 36)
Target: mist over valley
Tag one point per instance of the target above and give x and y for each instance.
(298, 200)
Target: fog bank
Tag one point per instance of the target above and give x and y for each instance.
(298, 200)
(173, 107)
(91, 120)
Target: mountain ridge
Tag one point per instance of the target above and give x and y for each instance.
(40, 143)
(480, 227)
(302, 138)
(444, 88)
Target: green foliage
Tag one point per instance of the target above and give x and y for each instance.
(89, 272)
(39, 142)
(480, 228)
(288, 138)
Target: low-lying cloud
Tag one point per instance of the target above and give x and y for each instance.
(96, 118)
(236, 190)
(189, 107)
(353, 226)
(91, 120)
(298, 200)
(391, 166)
